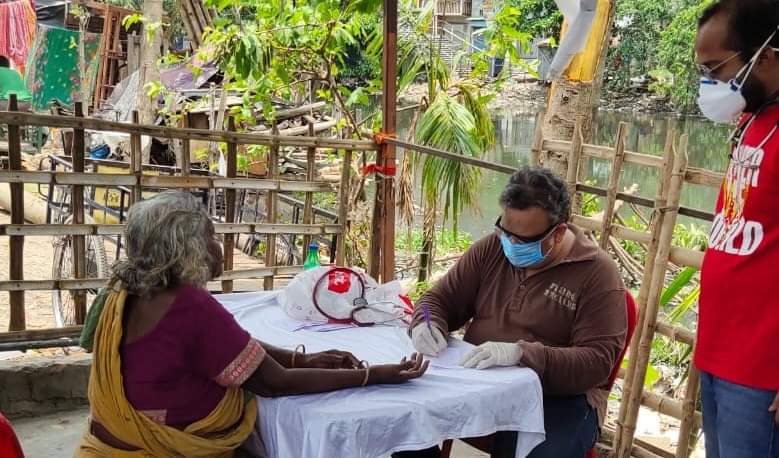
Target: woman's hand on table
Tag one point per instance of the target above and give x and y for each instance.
(408, 369)
(331, 359)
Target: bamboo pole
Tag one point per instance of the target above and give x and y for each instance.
(641, 302)
(343, 208)
(17, 321)
(686, 429)
(308, 208)
(161, 181)
(676, 333)
(77, 200)
(611, 198)
(118, 229)
(185, 161)
(271, 207)
(229, 239)
(136, 162)
(96, 283)
(40, 334)
(186, 19)
(29, 119)
(659, 269)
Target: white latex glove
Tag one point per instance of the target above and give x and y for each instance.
(491, 354)
(428, 340)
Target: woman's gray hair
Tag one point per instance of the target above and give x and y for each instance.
(166, 244)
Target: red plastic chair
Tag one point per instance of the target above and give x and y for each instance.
(9, 443)
(485, 443)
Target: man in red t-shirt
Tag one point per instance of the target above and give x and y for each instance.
(737, 51)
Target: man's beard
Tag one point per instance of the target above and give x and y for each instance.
(755, 94)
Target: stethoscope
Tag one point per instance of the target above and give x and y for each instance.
(358, 304)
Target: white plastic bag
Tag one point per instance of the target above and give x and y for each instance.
(336, 296)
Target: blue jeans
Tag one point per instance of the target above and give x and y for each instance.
(571, 430)
(571, 426)
(736, 420)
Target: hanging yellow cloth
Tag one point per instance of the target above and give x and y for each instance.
(217, 435)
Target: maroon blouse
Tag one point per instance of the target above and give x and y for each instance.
(177, 373)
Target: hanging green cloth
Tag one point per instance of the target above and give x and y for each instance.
(52, 67)
(11, 82)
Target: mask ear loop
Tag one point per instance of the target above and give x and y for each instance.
(751, 64)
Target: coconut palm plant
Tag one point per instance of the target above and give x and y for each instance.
(453, 117)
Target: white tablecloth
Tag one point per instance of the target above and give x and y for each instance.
(378, 420)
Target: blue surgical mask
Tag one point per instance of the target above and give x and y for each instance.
(522, 255)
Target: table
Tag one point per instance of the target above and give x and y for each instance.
(378, 420)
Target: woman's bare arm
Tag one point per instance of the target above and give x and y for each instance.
(271, 379)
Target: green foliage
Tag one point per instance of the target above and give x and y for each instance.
(283, 46)
(656, 38)
(446, 242)
(676, 56)
(504, 37)
(540, 18)
(637, 25)
(418, 290)
(675, 287)
(652, 374)
(693, 237)
(447, 124)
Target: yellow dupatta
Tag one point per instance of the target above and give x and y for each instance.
(217, 435)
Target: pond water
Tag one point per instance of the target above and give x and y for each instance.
(514, 136)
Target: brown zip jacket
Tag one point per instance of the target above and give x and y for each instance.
(569, 318)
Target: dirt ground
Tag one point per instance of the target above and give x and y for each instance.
(38, 254)
(58, 435)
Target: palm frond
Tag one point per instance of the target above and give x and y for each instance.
(470, 95)
(448, 125)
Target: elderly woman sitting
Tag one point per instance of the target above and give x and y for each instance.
(173, 372)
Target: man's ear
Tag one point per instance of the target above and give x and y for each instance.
(559, 233)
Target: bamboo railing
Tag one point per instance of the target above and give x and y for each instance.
(274, 184)
(674, 172)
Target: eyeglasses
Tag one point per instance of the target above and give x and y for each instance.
(523, 239)
(708, 73)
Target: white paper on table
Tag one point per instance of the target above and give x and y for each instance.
(450, 357)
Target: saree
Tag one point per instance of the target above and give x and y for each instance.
(217, 435)
(52, 67)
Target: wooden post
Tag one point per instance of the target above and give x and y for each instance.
(17, 320)
(654, 230)
(185, 164)
(611, 197)
(136, 164)
(343, 208)
(688, 413)
(383, 236)
(79, 241)
(271, 206)
(641, 358)
(229, 239)
(308, 207)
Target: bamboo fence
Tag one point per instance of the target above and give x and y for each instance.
(675, 173)
(672, 165)
(77, 179)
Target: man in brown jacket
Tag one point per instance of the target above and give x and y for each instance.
(536, 293)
